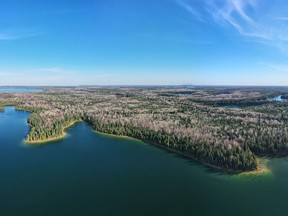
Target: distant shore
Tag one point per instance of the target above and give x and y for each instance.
(54, 138)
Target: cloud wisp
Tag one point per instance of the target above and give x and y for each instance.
(15, 34)
(190, 9)
(55, 70)
(253, 19)
(234, 13)
(276, 67)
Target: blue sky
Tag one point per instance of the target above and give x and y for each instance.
(106, 42)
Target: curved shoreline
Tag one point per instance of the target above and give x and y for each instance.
(261, 169)
(53, 138)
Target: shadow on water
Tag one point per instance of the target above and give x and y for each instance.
(208, 169)
(205, 168)
(273, 164)
(273, 156)
(89, 174)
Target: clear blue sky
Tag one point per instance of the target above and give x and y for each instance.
(94, 42)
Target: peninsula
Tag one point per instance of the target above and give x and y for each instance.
(224, 127)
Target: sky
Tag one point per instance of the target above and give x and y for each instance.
(143, 42)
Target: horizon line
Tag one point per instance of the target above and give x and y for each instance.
(141, 85)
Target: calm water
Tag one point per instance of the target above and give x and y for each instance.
(231, 107)
(91, 174)
(12, 90)
(278, 98)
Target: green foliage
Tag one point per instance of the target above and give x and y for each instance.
(41, 132)
(236, 158)
(28, 109)
(7, 103)
(191, 121)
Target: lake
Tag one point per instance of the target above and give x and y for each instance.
(231, 107)
(92, 174)
(13, 90)
(278, 98)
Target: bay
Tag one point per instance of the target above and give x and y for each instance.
(89, 173)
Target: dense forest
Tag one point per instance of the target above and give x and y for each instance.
(190, 121)
(39, 133)
(231, 158)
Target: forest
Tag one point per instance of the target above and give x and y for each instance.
(194, 122)
(39, 133)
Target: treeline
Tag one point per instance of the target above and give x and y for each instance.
(28, 109)
(230, 157)
(7, 103)
(19, 106)
(233, 102)
(41, 132)
(226, 138)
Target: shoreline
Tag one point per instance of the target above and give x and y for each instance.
(118, 136)
(261, 169)
(53, 138)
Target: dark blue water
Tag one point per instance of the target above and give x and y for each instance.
(278, 98)
(90, 174)
(13, 90)
(231, 107)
